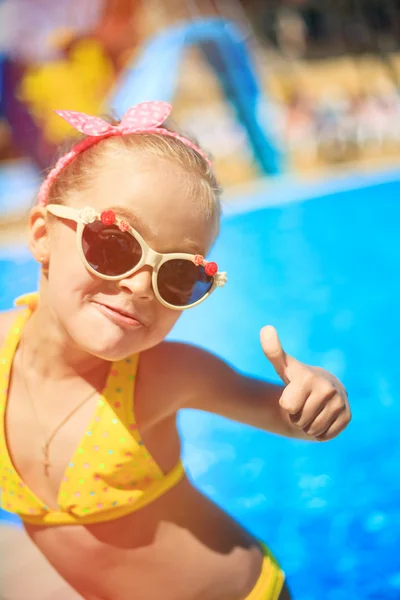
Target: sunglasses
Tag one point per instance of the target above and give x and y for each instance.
(112, 249)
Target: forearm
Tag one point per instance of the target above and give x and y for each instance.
(312, 405)
(254, 402)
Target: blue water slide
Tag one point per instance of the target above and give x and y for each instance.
(155, 75)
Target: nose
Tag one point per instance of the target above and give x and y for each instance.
(139, 284)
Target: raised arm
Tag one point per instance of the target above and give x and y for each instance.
(312, 405)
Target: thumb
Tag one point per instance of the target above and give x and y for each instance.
(273, 350)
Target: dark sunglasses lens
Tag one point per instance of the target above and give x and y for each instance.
(181, 283)
(108, 250)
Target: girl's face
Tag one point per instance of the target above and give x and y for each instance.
(157, 198)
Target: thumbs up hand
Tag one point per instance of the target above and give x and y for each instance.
(313, 399)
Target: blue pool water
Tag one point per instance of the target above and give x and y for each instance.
(326, 274)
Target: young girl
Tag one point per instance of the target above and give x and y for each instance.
(89, 453)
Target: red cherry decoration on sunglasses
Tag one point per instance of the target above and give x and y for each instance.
(124, 226)
(211, 268)
(198, 260)
(107, 217)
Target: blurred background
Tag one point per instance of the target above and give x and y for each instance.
(299, 103)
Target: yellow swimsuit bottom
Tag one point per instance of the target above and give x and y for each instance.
(271, 580)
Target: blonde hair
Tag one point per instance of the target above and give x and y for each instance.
(77, 175)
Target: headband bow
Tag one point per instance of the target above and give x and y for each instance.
(142, 117)
(146, 117)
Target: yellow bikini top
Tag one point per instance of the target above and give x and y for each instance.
(111, 473)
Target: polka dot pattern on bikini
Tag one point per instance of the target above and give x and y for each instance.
(111, 468)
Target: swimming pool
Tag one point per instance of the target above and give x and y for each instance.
(325, 273)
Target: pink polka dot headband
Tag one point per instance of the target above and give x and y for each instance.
(146, 117)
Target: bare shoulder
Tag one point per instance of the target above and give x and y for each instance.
(6, 320)
(179, 372)
(185, 361)
(165, 372)
(176, 355)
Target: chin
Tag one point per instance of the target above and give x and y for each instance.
(107, 342)
(118, 347)
(112, 349)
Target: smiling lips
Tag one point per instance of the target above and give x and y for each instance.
(120, 315)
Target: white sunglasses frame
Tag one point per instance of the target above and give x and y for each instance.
(150, 257)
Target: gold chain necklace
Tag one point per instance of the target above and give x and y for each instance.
(46, 446)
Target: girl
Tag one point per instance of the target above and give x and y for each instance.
(90, 449)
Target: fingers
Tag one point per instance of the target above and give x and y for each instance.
(324, 419)
(295, 395)
(314, 400)
(285, 365)
(336, 427)
(315, 407)
(273, 350)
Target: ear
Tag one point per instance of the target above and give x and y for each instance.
(38, 240)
